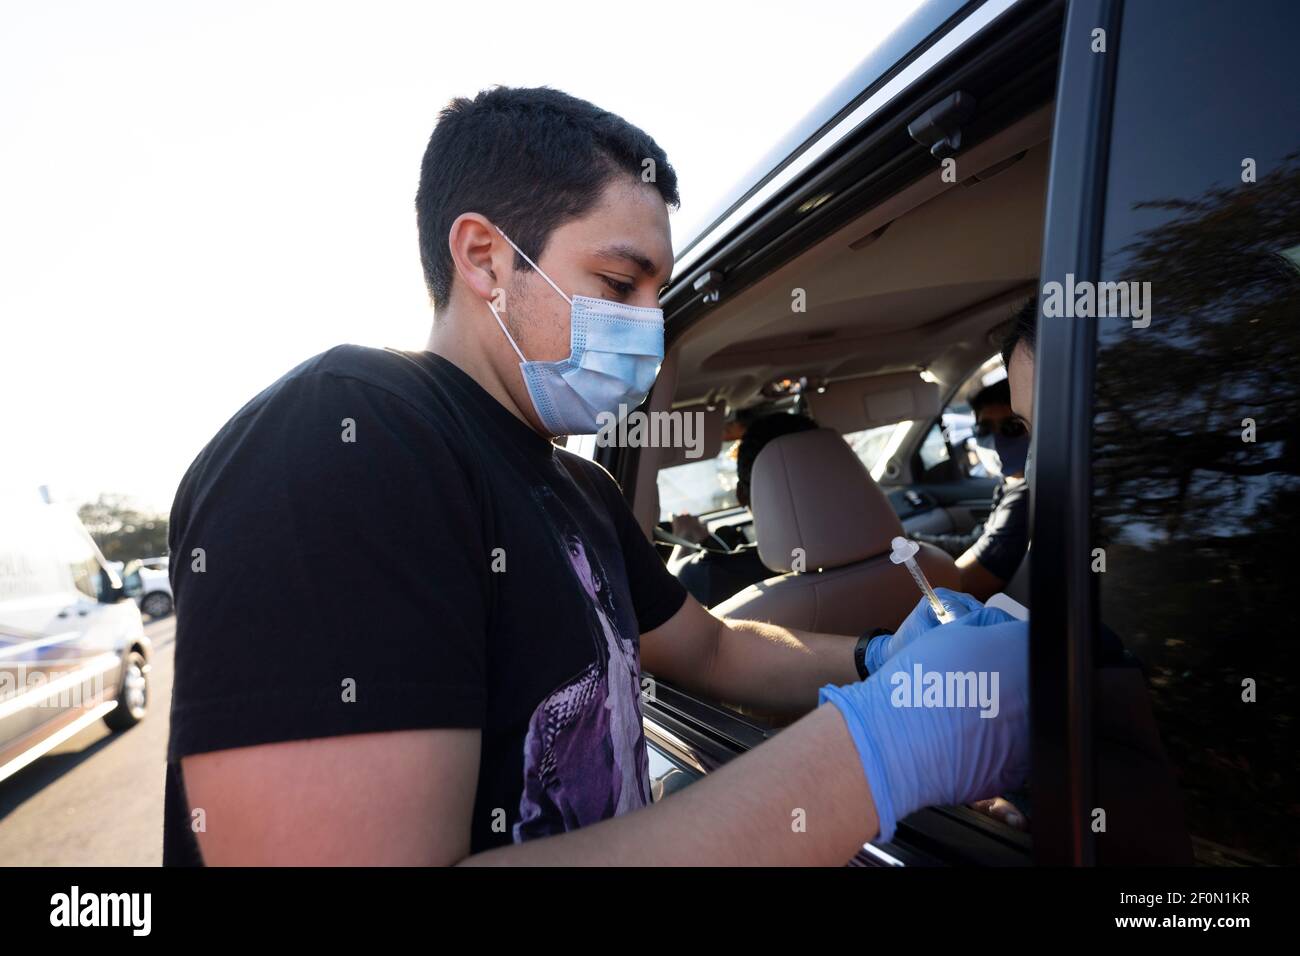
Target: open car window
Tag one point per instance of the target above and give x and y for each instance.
(875, 446)
(946, 453)
(699, 487)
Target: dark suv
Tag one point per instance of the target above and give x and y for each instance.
(988, 153)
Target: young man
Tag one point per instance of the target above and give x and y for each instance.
(445, 665)
(1133, 777)
(988, 555)
(1018, 359)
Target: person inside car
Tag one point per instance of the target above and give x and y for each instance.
(988, 555)
(713, 576)
(1134, 780)
(447, 666)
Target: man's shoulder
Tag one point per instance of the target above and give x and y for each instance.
(361, 361)
(400, 374)
(1014, 491)
(385, 376)
(308, 410)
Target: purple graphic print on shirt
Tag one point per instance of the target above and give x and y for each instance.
(584, 753)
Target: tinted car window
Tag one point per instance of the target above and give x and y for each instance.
(1196, 451)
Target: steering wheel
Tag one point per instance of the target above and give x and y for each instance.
(667, 537)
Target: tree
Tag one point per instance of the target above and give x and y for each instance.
(121, 530)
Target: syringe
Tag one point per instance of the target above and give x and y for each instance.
(905, 553)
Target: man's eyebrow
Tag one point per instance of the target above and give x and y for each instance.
(629, 253)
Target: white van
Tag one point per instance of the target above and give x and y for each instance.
(72, 644)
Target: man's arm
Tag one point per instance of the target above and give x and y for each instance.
(990, 562)
(764, 666)
(846, 772)
(954, 544)
(977, 580)
(406, 798)
(401, 798)
(739, 815)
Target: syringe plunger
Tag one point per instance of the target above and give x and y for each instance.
(905, 553)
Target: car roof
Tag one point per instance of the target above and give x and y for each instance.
(926, 20)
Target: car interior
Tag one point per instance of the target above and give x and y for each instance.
(902, 314)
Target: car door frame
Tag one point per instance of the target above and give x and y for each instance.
(1061, 582)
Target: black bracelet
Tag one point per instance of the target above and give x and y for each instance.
(860, 650)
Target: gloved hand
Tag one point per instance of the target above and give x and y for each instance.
(922, 619)
(947, 751)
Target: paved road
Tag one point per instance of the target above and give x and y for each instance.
(97, 800)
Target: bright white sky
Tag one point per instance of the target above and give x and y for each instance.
(195, 197)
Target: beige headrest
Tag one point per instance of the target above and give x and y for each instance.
(810, 490)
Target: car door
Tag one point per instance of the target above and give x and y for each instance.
(1170, 437)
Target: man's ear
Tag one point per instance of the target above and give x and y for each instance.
(483, 259)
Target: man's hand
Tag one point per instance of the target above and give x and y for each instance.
(1000, 808)
(922, 619)
(690, 527)
(915, 755)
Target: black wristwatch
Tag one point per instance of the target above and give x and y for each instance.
(860, 650)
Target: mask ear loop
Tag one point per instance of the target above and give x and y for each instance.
(534, 265)
(509, 338)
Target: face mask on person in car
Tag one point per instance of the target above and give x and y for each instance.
(1013, 452)
(615, 351)
(1002, 455)
(987, 456)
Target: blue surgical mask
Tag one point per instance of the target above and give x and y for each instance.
(1013, 451)
(615, 352)
(1002, 455)
(987, 456)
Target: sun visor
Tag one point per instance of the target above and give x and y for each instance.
(854, 404)
(705, 426)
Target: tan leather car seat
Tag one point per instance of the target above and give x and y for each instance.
(810, 491)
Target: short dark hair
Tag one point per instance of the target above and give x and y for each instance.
(761, 431)
(528, 159)
(999, 393)
(1024, 328)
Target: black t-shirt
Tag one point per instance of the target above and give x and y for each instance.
(1002, 545)
(374, 543)
(1000, 542)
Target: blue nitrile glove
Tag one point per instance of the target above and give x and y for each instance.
(922, 619)
(920, 756)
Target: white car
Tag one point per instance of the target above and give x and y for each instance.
(146, 581)
(72, 648)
